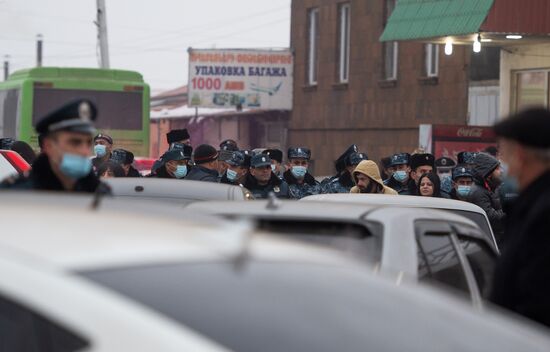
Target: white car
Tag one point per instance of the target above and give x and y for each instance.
(416, 244)
(82, 278)
(469, 210)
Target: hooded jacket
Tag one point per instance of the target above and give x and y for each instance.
(483, 196)
(370, 169)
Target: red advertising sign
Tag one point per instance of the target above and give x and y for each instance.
(448, 141)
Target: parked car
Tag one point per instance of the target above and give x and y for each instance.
(174, 191)
(81, 278)
(469, 210)
(417, 244)
(12, 164)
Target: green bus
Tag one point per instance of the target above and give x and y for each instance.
(122, 99)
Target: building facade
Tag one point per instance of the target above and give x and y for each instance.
(349, 88)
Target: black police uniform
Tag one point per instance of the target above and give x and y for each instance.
(309, 186)
(174, 154)
(125, 157)
(275, 185)
(76, 116)
(522, 274)
(342, 182)
(400, 188)
(97, 161)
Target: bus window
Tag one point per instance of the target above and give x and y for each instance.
(116, 110)
(9, 112)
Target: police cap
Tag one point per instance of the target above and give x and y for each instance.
(122, 156)
(247, 157)
(173, 155)
(229, 145)
(355, 158)
(299, 153)
(186, 149)
(418, 160)
(340, 163)
(274, 154)
(260, 160)
(530, 128)
(462, 171)
(75, 116)
(104, 137)
(6, 143)
(400, 159)
(445, 162)
(237, 159)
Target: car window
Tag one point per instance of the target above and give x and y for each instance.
(438, 263)
(478, 218)
(353, 239)
(23, 330)
(482, 261)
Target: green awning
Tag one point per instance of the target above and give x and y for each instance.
(424, 19)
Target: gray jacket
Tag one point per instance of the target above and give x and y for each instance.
(199, 173)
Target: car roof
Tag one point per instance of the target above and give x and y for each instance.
(317, 210)
(403, 201)
(71, 235)
(151, 187)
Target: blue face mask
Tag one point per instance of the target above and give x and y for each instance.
(181, 171)
(231, 175)
(273, 167)
(75, 166)
(100, 150)
(463, 191)
(400, 176)
(299, 171)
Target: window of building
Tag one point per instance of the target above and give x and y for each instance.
(313, 46)
(531, 89)
(390, 48)
(432, 60)
(344, 43)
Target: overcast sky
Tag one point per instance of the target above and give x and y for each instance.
(150, 37)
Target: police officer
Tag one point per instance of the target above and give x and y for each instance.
(174, 163)
(227, 148)
(261, 180)
(178, 136)
(103, 146)
(522, 274)
(125, 158)
(236, 170)
(301, 183)
(463, 179)
(466, 158)
(206, 165)
(65, 163)
(444, 167)
(342, 182)
(399, 181)
(276, 157)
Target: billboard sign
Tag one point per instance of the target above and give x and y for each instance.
(448, 141)
(255, 79)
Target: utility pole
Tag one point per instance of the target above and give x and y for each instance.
(39, 38)
(101, 24)
(6, 67)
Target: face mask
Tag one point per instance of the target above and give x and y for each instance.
(181, 171)
(231, 175)
(299, 171)
(463, 191)
(400, 176)
(75, 166)
(100, 150)
(273, 167)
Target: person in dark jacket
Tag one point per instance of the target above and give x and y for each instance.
(206, 164)
(103, 146)
(522, 274)
(487, 178)
(400, 178)
(110, 169)
(261, 180)
(342, 182)
(463, 179)
(301, 183)
(276, 157)
(236, 169)
(65, 163)
(125, 158)
(421, 163)
(174, 163)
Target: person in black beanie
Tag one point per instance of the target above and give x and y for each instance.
(206, 164)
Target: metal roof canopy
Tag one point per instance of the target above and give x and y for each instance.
(423, 19)
(461, 20)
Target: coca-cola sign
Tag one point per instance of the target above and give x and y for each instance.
(470, 132)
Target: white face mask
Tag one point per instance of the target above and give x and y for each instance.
(273, 167)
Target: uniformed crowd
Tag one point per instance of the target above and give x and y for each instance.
(519, 210)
